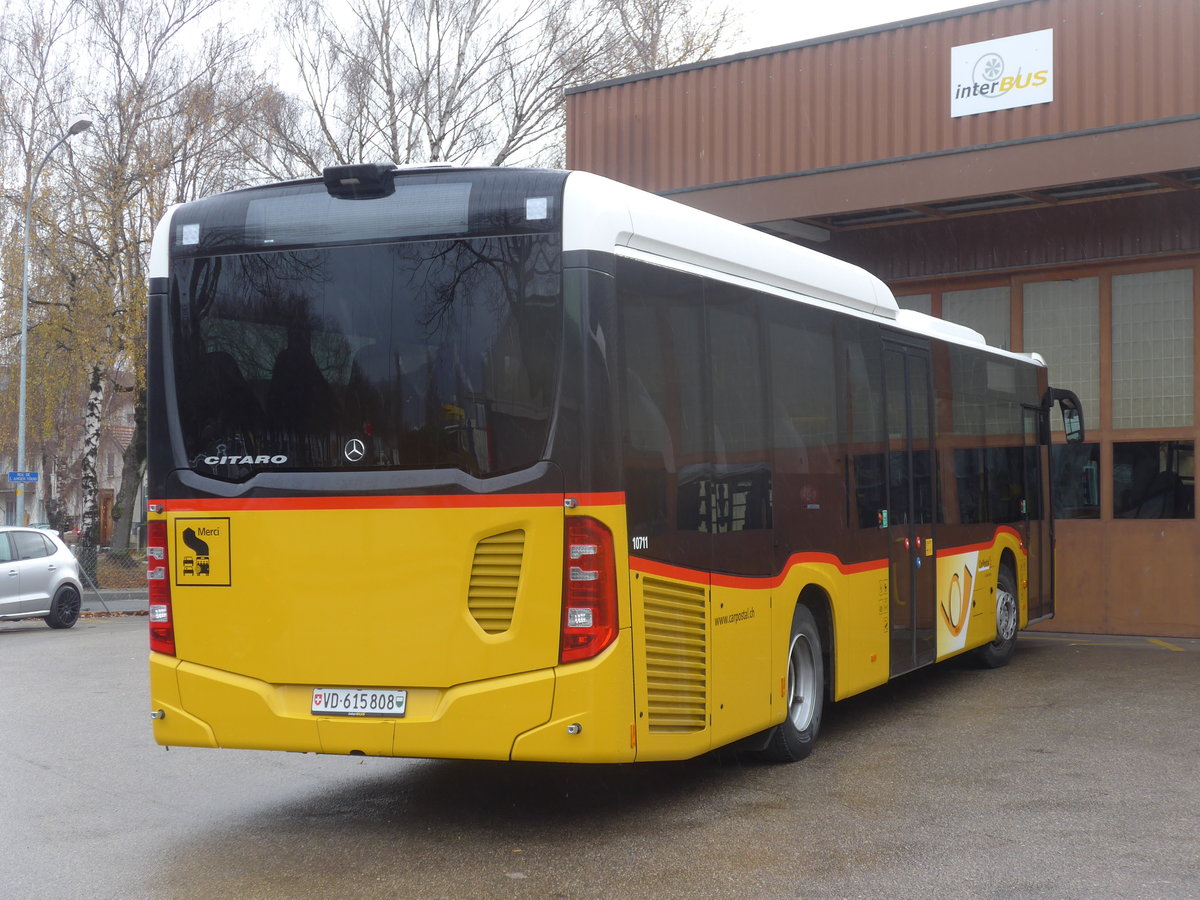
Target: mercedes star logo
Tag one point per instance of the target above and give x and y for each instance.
(355, 450)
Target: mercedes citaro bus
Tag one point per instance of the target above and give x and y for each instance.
(531, 465)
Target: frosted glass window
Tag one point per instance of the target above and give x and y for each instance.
(1154, 480)
(987, 310)
(1152, 349)
(1062, 322)
(922, 303)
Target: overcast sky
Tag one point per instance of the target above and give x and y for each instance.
(768, 23)
(765, 23)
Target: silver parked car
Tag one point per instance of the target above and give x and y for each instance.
(39, 577)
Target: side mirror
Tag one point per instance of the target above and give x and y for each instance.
(1073, 425)
(1072, 412)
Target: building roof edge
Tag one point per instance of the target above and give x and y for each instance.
(798, 45)
(932, 154)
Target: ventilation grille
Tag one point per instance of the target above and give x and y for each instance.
(495, 574)
(676, 656)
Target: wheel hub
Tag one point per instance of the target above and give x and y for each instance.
(1006, 615)
(802, 680)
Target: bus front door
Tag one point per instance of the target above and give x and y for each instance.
(912, 486)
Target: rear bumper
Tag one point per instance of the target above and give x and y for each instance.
(527, 716)
(205, 707)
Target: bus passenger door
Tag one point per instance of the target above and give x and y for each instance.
(912, 486)
(1037, 514)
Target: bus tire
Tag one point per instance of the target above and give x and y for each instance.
(1008, 611)
(793, 738)
(64, 609)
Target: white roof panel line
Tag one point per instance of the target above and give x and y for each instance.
(913, 320)
(627, 217)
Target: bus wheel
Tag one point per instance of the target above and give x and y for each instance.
(64, 610)
(793, 738)
(1000, 651)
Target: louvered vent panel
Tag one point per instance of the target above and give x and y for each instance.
(676, 656)
(495, 574)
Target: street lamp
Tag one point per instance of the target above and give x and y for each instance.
(76, 127)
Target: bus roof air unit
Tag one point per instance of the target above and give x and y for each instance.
(368, 181)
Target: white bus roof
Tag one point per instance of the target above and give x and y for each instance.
(605, 215)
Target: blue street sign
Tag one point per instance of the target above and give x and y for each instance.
(22, 476)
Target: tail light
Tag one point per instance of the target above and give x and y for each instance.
(589, 622)
(162, 630)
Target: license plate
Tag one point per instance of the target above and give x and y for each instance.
(356, 702)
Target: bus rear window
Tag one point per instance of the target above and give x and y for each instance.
(429, 354)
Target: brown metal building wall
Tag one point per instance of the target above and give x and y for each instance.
(862, 123)
(883, 95)
(1120, 229)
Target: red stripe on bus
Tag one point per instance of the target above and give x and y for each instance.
(986, 545)
(611, 498)
(423, 501)
(694, 576)
(468, 501)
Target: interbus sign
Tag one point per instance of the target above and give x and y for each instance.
(1002, 74)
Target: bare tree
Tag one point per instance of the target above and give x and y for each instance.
(34, 104)
(533, 75)
(170, 100)
(37, 85)
(167, 127)
(431, 80)
(658, 34)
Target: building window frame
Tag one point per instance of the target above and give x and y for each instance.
(1099, 421)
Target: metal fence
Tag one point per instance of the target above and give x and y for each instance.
(103, 569)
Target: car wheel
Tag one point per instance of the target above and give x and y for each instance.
(64, 611)
(1000, 651)
(793, 738)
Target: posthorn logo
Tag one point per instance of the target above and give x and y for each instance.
(1002, 74)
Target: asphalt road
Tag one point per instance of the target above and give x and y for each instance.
(1074, 772)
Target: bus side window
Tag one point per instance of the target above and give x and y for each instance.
(648, 451)
(864, 430)
(664, 444)
(741, 490)
(809, 485)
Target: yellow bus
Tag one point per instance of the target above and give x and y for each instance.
(530, 465)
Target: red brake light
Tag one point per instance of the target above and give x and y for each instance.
(589, 616)
(162, 630)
